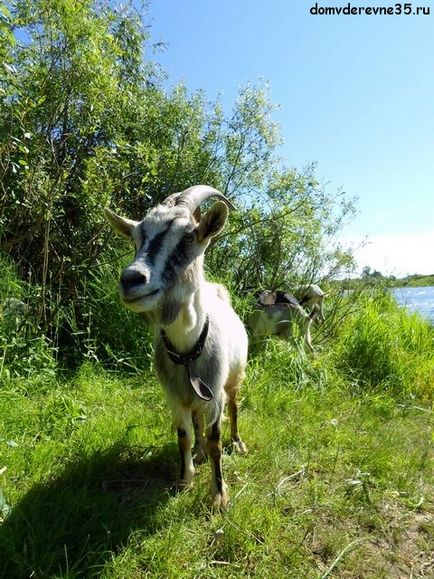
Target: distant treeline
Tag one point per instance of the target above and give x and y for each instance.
(374, 277)
(415, 281)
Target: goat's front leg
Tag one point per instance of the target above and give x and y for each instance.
(238, 444)
(214, 449)
(308, 337)
(199, 448)
(184, 444)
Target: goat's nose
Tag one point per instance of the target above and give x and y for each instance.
(131, 278)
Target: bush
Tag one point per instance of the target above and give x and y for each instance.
(85, 123)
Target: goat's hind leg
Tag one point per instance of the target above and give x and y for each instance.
(219, 493)
(232, 388)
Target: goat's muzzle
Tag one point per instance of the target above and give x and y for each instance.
(136, 291)
(131, 278)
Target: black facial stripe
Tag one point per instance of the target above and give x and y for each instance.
(155, 246)
(168, 275)
(176, 259)
(157, 243)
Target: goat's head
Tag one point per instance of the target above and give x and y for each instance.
(170, 242)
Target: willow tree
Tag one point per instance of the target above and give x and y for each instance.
(85, 122)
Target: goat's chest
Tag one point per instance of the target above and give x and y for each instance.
(174, 377)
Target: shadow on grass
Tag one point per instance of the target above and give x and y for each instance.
(71, 524)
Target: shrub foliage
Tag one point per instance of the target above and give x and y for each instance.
(85, 122)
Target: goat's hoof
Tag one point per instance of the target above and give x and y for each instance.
(182, 484)
(220, 500)
(199, 454)
(239, 447)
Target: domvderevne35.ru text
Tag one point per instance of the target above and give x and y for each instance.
(406, 9)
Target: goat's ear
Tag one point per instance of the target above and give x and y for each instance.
(212, 222)
(197, 214)
(120, 224)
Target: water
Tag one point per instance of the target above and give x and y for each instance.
(417, 299)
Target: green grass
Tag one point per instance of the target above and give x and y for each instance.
(383, 347)
(337, 482)
(91, 461)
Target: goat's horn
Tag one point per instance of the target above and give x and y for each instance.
(171, 199)
(194, 196)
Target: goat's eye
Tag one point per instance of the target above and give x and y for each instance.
(190, 237)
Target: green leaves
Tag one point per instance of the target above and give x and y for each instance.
(85, 124)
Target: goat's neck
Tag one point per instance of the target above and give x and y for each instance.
(184, 332)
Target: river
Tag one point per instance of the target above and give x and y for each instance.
(417, 299)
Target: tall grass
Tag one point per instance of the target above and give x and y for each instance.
(24, 349)
(377, 345)
(91, 325)
(382, 346)
(110, 333)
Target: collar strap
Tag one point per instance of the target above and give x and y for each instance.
(201, 389)
(184, 359)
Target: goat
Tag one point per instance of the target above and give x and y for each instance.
(271, 297)
(200, 343)
(281, 319)
(311, 297)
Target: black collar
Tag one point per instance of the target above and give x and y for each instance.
(201, 389)
(193, 354)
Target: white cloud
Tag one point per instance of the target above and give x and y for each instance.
(397, 255)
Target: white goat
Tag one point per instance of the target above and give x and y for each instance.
(311, 297)
(200, 343)
(282, 319)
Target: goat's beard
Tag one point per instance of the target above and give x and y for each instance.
(169, 306)
(169, 311)
(164, 314)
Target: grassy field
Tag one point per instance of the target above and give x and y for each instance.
(338, 481)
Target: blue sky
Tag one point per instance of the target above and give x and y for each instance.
(356, 95)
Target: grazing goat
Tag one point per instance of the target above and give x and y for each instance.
(283, 320)
(311, 297)
(271, 297)
(200, 343)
